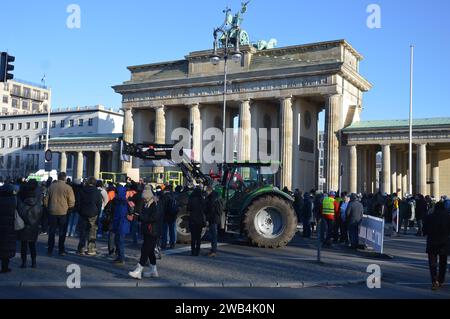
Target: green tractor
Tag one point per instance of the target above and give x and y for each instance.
(253, 206)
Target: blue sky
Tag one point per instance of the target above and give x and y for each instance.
(82, 64)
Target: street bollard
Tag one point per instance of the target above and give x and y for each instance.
(319, 244)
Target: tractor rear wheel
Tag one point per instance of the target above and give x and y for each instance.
(270, 222)
(182, 228)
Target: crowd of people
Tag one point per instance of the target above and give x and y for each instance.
(340, 217)
(90, 210)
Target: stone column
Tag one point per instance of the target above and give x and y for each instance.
(363, 187)
(386, 169)
(63, 162)
(128, 135)
(245, 130)
(287, 131)
(97, 162)
(399, 172)
(422, 169)
(160, 131)
(405, 185)
(393, 171)
(353, 169)
(196, 122)
(80, 165)
(371, 178)
(435, 191)
(331, 145)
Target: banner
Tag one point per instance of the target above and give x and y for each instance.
(371, 233)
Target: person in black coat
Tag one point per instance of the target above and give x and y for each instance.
(197, 219)
(421, 212)
(31, 211)
(151, 219)
(8, 236)
(89, 210)
(214, 212)
(437, 229)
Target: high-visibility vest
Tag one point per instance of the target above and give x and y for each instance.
(328, 207)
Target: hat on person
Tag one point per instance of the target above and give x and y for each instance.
(147, 194)
(332, 193)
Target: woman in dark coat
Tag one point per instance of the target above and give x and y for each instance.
(30, 209)
(437, 229)
(151, 218)
(8, 236)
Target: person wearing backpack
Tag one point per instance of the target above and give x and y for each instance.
(170, 207)
(151, 219)
(120, 224)
(90, 208)
(29, 209)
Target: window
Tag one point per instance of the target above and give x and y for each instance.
(10, 142)
(5, 99)
(91, 122)
(63, 123)
(44, 124)
(15, 103)
(26, 92)
(2, 163)
(80, 122)
(28, 125)
(16, 90)
(11, 126)
(25, 105)
(71, 123)
(27, 142)
(53, 124)
(36, 125)
(19, 142)
(19, 126)
(3, 127)
(35, 106)
(17, 161)
(2, 143)
(45, 96)
(36, 94)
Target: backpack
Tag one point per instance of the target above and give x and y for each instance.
(172, 205)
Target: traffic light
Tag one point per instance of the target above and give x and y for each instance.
(6, 66)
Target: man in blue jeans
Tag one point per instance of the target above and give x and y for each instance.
(213, 217)
(170, 216)
(59, 200)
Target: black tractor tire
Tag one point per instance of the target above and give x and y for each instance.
(183, 231)
(270, 222)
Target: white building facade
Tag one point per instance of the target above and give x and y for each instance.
(23, 137)
(23, 97)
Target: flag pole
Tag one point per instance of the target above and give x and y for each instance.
(411, 121)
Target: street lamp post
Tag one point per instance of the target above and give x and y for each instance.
(230, 39)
